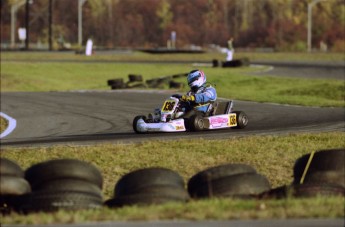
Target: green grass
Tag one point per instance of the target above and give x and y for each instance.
(213, 209)
(139, 56)
(235, 83)
(3, 124)
(272, 156)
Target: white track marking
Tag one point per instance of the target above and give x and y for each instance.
(12, 123)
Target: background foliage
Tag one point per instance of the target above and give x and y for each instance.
(278, 24)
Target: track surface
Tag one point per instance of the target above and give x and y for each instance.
(45, 118)
(57, 117)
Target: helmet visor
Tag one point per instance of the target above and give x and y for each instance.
(191, 80)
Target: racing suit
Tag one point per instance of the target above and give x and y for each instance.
(203, 98)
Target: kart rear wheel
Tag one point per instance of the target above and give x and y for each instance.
(135, 120)
(242, 119)
(197, 122)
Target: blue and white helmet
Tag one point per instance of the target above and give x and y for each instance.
(196, 79)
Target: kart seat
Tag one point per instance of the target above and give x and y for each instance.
(223, 107)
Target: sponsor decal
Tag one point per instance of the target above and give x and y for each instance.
(179, 127)
(217, 122)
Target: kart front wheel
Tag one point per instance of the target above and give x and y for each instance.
(135, 121)
(242, 119)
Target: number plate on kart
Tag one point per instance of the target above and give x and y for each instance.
(168, 105)
(232, 120)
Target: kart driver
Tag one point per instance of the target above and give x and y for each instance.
(200, 96)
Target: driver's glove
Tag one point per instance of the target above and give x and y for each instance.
(188, 98)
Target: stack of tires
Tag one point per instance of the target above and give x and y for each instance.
(149, 186)
(160, 82)
(236, 63)
(321, 173)
(116, 83)
(228, 180)
(12, 185)
(135, 81)
(62, 184)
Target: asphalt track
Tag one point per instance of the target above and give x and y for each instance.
(88, 117)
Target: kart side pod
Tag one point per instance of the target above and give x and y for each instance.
(140, 126)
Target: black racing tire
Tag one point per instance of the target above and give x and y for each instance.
(146, 199)
(11, 185)
(178, 85)
(54, 201)
(217, 172)
(236, 63)
(8, 203)
(135, 121)
(323, 160)
(143, 178)
(116, 82)
(316, 189)
(69, 184)
(196, 122)
(247, 185)
(328, 177)
(280, 192)
(242, 119)
(11, 168)
(161, 189)
(156, 83)
(304, 190)
(114, 87)
(56, 169)
(135, 85)
(135, 78)
(180, 75)
(233, 63)
(215, 63)
(152, 83)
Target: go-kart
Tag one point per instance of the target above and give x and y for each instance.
(171, 118)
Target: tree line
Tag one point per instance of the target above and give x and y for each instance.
(277, 24)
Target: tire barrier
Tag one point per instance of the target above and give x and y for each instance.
(236, 63)
(178, 85)
(57, 169)
(324, 166)
(62, 184)
(149, 186)
(136, 81)
(12, 185)
(49, 201)
(215, 63)
(242, 62)
(116, 83)
(135, 78)
(303, 190)
(229, 180)
(318, 173)
(72, 184)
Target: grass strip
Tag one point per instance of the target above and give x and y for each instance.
(234, 83)
(140, 56)
(3, 124)
(210, 209)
